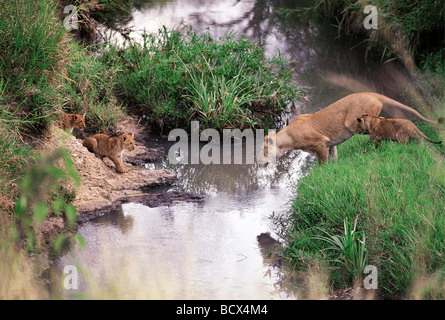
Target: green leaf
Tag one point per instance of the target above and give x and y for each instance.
(58, 242)
(80, 240)
(40, 211)
(70, 213)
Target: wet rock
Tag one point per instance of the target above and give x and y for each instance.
(270, 249)
(158, 199)
(149, 198)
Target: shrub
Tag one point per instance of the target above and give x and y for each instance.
(176, 77)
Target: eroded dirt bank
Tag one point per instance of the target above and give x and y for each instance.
(102, 188)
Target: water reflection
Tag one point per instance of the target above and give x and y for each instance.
(238, 179)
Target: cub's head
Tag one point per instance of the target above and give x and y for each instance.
(78, 121)
(363, 124)
(127, 141)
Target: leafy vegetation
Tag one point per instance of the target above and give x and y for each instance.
(176, 77)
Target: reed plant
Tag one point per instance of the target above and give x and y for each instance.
(349, 249)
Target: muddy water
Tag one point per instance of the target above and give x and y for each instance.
(210, 249)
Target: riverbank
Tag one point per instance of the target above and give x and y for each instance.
(411, 32)
(46, 190)
(396, 195)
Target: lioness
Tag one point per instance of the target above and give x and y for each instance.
(110, 147)
(320, 132)
(401, 130)
(70, 121)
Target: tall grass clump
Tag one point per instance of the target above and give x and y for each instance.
(350, 248)
(44, 71)
(396, 193)
(32, 41)
(89, 87)
(176, 76)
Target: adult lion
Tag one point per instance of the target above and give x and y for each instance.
(320, 132)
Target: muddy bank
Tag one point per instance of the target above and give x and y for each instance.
(102, 188)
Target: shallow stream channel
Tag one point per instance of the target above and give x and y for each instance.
(217, 248)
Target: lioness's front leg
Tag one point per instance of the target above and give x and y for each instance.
(333, 153)
(322, 155)
(322, 150)
(119, 165)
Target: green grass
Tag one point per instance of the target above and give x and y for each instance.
(43, 71)
(176, 76)
(29, 56)
(90, 86)
(397, 194)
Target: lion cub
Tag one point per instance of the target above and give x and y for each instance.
(110, 147)
(380, 128)
(70, 121)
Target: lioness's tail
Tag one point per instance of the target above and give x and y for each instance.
(394, 103)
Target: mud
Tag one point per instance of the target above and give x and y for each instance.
(102, 188)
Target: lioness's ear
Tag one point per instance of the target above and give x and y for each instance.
(359, 120)
(84, 115)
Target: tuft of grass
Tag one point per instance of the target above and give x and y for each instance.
(349, 247)
(44, 72)
(176, 76)
(90, 86)
(398, 193)
(30, 57)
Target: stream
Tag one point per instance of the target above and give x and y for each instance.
(213, 249)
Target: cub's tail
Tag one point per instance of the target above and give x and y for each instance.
(426, 138)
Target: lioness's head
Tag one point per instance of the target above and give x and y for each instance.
(127, 141)
(78, 121)
(268, 150)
